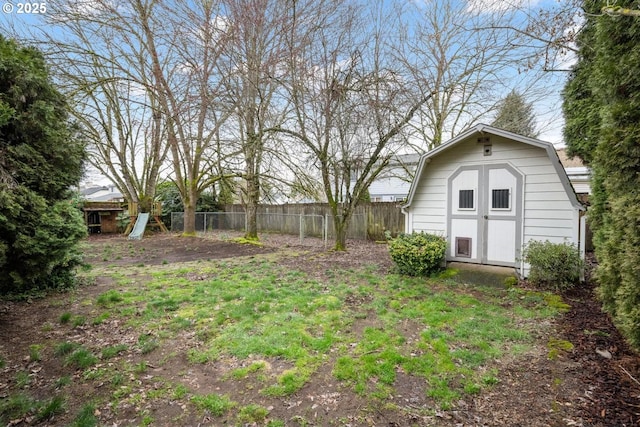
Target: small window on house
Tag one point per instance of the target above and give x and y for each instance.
(463, 247)
(465, 199)
(500, 198)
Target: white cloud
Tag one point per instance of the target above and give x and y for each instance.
(89, 8)
(567, 57)
(489, 6)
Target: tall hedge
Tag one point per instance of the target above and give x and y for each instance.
(40, 159)
(605, 105)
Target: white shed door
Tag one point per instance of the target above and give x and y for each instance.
(485, 212)
(502, 196)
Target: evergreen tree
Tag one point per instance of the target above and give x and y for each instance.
(602, 109)
(580, 106)
(516, 115)
(40, 158)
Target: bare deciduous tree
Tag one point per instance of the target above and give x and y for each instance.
(126, 136)
(189, 90)
(118, 115)
(168, 50)
(350, 102)
(467, 68)
(254, 62)
(544, 36)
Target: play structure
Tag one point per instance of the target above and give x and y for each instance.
(102, 217)
(110, 217)
(139, 227)
(154, 218)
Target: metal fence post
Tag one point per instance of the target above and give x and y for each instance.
(326, 230)
(366, 225)
(301, 218)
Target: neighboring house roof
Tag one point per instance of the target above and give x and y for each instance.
(578, 173)
(484, 129)
(91, 190)
(101, 193)
(569, 162)
(405, 159)
(107, 197)
(580, 177)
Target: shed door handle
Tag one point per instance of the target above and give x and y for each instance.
(486, 217)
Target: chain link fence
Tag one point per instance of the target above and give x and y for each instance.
(302, 225)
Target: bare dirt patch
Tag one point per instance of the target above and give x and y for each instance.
(593, 384)
(164, 248)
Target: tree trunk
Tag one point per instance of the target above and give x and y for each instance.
(340, 225)
(253, 197)
(190, 212)
(145, 203)
(341, 234)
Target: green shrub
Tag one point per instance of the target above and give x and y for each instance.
(510, 282)
(418, 254)
(554, 266)
(42, 157)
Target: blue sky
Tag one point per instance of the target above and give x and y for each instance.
(547, 102)
(547, 86)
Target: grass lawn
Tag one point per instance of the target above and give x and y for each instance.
(241, 341)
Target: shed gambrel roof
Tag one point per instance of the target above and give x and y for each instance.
(482, 129)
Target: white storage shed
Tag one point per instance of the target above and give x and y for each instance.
(489, 192)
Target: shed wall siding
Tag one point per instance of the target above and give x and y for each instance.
(548, 213)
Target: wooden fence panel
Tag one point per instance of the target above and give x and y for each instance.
(370, 220)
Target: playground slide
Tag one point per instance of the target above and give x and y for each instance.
(138, 229)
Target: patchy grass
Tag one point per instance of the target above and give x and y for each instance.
(50, 408)
(109, 298)
(78, 321)
(81, 358)
(255, 308)
(113, 350)
(21, 405)
(65, 317)
(259, 332)
(252, 414)
(63, 381)
(23, 379)
(35, 352)
(65, 348)
(86, 417)
(147, 343)
(217, 405)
